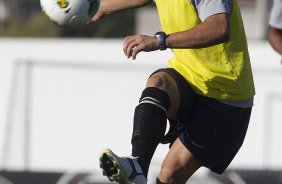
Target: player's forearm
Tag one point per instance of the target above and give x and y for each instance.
(212, 31)
(275, 39)
(112, 6)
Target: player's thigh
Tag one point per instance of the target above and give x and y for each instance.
(179, 164)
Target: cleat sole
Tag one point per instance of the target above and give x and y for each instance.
(111, 168)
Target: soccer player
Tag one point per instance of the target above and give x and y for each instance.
(275, 26)
(206, 92)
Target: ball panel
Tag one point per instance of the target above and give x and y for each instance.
(70, 12)
(60, 17)
(47, 6)
(78, 20)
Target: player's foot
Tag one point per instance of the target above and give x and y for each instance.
(125, 170)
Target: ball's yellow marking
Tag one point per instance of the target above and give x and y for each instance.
(63, 3)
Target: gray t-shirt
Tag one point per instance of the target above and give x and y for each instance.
(276, 14)
(206, 8)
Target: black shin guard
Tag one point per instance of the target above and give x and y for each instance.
(150, 120)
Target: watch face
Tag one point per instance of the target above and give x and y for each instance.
(161, 37)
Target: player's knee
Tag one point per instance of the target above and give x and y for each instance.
(159, 80)
(165, 82)
(171, 173)
(167, 175)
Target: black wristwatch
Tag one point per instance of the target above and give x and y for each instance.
(161, 37)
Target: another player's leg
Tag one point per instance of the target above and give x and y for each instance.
(178, 166)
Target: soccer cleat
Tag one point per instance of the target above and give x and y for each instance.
(123, 170)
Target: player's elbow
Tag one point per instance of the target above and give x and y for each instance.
(272, 34)
(221, 35)
(275, 38)
(224, 34)
(220, 27)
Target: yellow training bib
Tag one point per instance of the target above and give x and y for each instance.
(222, 71)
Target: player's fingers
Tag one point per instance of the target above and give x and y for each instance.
(126, 42)
(130, 48)
(135, 51)
(95, 18)
(129, 43)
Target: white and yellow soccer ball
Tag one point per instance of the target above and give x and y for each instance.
(70, 12)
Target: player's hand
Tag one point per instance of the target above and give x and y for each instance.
(132, 45)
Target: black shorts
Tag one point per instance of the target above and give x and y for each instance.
(212, 131)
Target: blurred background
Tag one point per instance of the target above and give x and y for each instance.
(68, 93)
(24, 18)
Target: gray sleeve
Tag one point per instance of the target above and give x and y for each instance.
(276, 14)
(208, 8)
